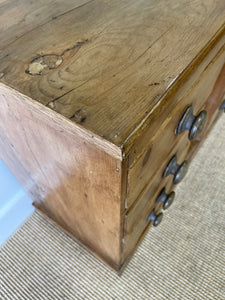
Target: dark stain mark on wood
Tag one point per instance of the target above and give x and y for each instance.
(163, 81)
(79, 116)
(155, 83)
(77, 45)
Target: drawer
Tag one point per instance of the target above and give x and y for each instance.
(146, 199)
(161, 143)
(137, 221)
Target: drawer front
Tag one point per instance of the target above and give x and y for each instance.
(137, 220)
(146, 200)
(161, 143)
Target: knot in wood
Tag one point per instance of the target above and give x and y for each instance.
(45, 62)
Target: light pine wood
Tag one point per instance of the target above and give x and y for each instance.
(142, 169)
(91, 92)
(68, 176)
(211, 84)
(118, 58)
(134, 234)
(148, 196)
(18, 17)
(136, 144)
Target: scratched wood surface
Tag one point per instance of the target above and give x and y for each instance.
(103, 64)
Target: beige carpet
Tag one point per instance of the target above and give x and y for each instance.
(183, 258)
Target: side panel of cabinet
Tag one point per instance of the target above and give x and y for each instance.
(71, 175)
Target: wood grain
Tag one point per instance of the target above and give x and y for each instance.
(118, 57)
(132, 238)
(18, 17)
(150, 148)
(133, 215)
(73, 181)
(91, 92)
(207, 94)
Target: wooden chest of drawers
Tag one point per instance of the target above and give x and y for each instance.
(102, 106)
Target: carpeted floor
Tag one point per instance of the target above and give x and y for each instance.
(183, 258)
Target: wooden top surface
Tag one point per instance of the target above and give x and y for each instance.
(104, 64)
